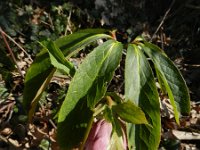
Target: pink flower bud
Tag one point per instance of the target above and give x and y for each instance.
(100, 135)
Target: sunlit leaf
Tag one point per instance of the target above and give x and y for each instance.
(118, 139)
(93, 67)
(117, 142)
(106, 73)
(99, 64)
(140, 88)
(41, 71)
(57, 58)
(130, 113)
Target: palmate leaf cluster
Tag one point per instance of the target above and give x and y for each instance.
(87, 97)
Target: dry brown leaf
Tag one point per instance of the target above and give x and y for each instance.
(182, 135)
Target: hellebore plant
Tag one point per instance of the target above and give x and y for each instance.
(91, 117)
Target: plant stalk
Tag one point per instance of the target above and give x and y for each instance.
(87, 133)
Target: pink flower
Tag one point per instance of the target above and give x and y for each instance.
(100, 136)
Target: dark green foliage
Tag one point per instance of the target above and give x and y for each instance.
(171, 79)
(86, 97)
(72, 130)
(90, 82)
(41, 71)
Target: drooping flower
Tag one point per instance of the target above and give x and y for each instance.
(100, 136)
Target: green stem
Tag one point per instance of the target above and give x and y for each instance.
(87, 133)
(36, 99)
(110, 102)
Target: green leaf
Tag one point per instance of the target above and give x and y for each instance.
(171, 78)
(99, 63)
(41, 71)
(97, 91)
(160, 81)
(96, 31)
(71, 132)
(110, 117)
(73, 43)
(130, 113)
(140, 88)
(46, 78)
(57, 58)
(115, 97)
(96, 65)
(132, 75)
(118, 133)
(99, 87)
(116, 142)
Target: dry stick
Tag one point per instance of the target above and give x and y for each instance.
(163, 20)
(68, 24)
(51, 22)
(162, 38)
(6, 140)
(11, 39)
(11, 53)
(50, 120)
(193, 7)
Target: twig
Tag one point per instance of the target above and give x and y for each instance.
(11, 53)
(163, 19)
(11, 39)
(51, 22)
(162, 38)
(52, 123)
(192, 65)
(68, 24)
(3, 139)
(50, 120)
(192, 7)
(9, 141)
